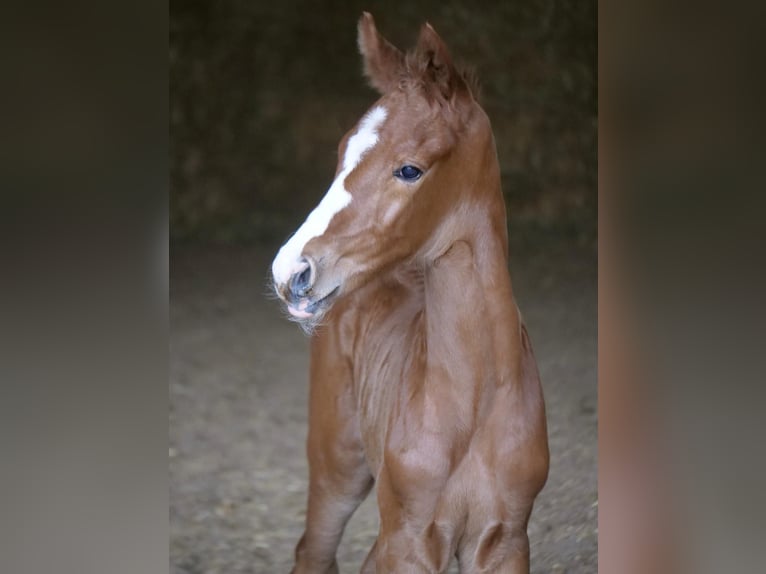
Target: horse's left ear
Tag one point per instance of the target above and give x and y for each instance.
(383, 62)
(434, 61)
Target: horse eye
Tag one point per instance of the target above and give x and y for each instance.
(408, 173)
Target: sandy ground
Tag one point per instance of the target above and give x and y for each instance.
(238, 404)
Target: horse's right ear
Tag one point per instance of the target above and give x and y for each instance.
(383, 62)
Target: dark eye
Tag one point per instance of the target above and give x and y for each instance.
(408, 173)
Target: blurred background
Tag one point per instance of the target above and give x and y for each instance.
(260, 95)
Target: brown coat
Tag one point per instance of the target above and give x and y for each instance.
(423, 379)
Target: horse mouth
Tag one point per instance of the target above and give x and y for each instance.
(307, 309)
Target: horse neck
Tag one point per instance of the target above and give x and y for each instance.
(467, 285)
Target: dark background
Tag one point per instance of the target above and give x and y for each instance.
(261, 93)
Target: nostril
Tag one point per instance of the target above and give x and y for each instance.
(301, 282)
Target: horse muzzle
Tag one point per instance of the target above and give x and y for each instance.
(301, 293)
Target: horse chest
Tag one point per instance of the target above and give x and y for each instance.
(388, 364)
(398, 385)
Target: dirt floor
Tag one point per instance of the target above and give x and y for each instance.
(238, 404)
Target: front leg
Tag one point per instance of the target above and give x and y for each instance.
(339, 478)
(417, 527)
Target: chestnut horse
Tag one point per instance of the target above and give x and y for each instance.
(423, 379)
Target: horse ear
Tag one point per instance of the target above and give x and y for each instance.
(383, 62)
(435, 63)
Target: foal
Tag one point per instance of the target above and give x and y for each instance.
(423, 379)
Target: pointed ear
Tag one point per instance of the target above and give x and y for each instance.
(435, 63)
(383, 62)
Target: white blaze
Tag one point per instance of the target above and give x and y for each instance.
(287, 261)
